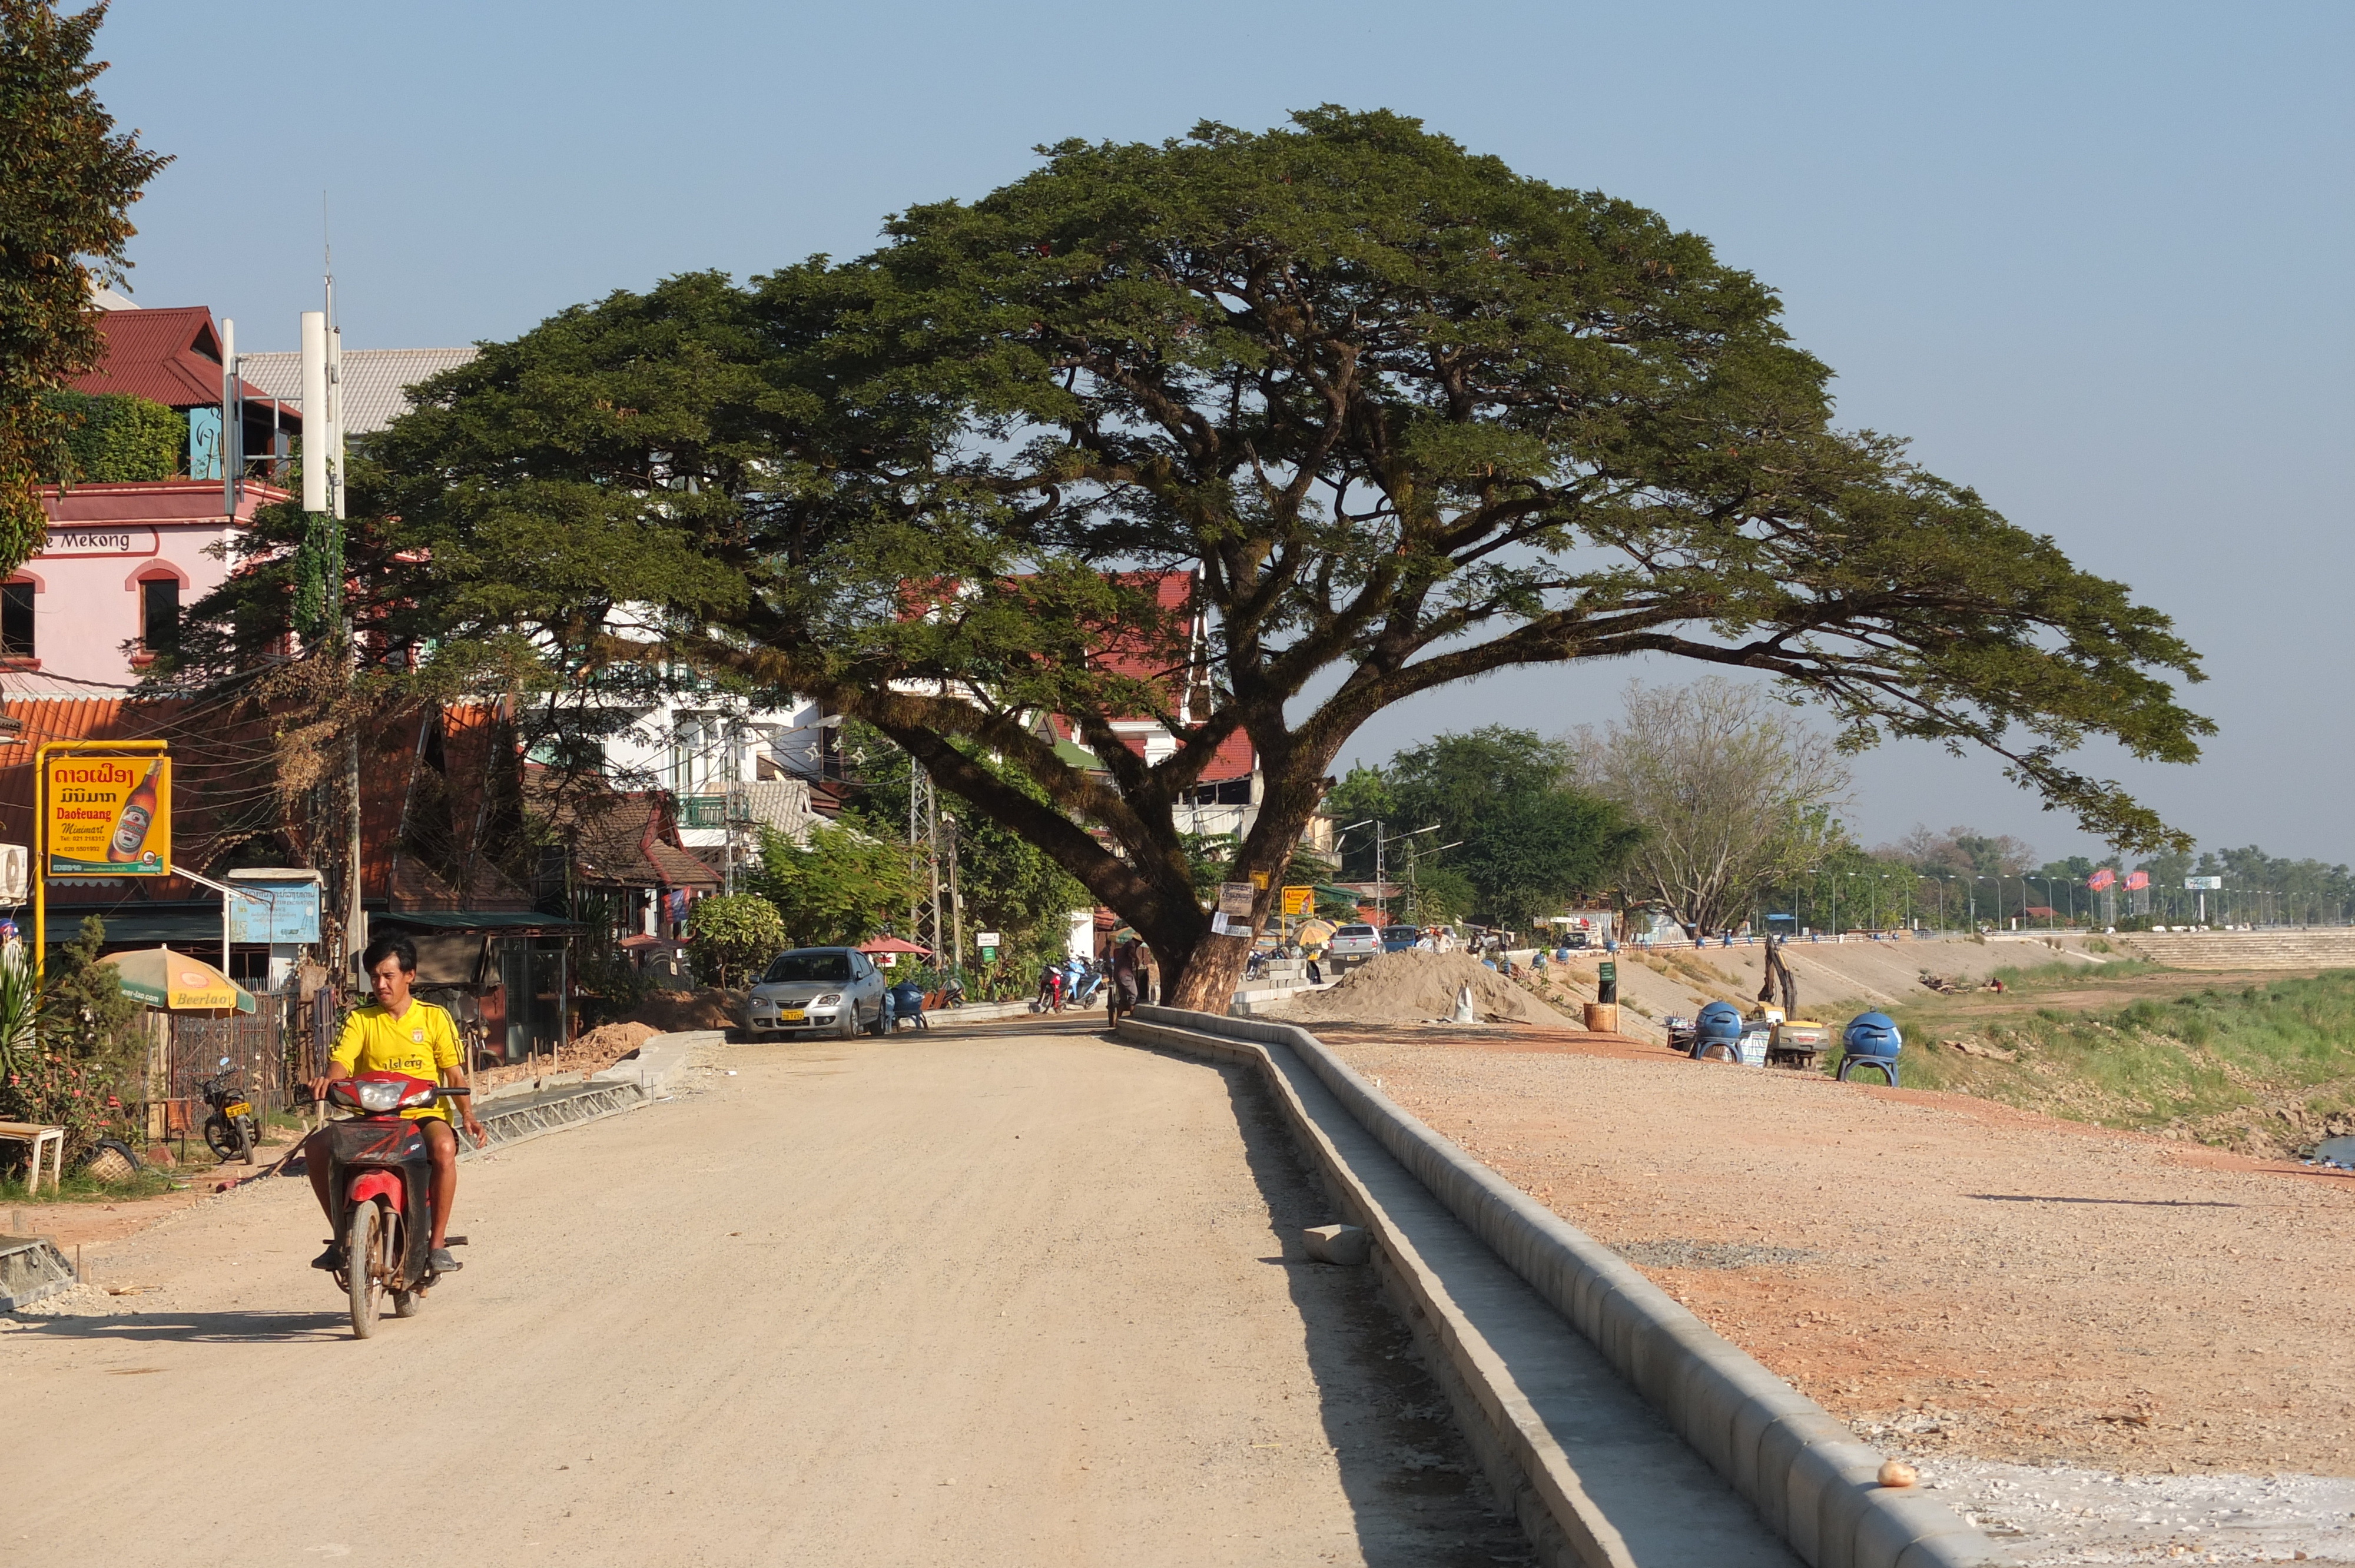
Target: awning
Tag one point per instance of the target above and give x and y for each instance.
(135, 925)
(472, 919)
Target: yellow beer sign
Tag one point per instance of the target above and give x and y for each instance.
(108, 816)
(1299, 900)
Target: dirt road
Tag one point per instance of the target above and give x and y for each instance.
(1956, 1277)
(1005, 1299)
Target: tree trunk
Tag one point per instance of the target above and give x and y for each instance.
(1206, 984)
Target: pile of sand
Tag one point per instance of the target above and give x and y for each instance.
(669, 1011)
(1413, 987)
(613, 1041)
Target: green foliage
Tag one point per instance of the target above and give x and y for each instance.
(114, 437)
(734, 936)
(67, 182)
(84, 1048)
(20, 1005)
(1406, 416)
(2203, 1058)
(841, 889)
(1010, 885)
(84, 1010)
(1440, 895)
(1528, 841)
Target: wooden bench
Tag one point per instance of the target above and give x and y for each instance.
(39, 1137)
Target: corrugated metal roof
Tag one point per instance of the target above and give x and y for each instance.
(170, 357)
(375, 380)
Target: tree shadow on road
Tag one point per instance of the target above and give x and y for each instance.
(1417, 1494)
(193, 1327)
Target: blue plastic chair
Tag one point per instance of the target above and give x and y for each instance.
(1718, 1024)
(1870, 1040)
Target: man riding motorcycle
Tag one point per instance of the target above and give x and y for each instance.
(398, 1034)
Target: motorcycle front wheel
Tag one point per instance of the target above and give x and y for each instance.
(363, 1243)
(407, 1303)
(221, 1136)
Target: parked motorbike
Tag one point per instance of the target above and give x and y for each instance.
(1084, 988)
(231, 1131)
(380, 1176)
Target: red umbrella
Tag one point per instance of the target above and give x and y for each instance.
(894, 945)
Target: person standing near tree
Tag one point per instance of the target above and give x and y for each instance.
(1120, 964)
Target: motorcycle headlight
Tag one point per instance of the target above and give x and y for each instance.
(831, 999)
(379, 1096)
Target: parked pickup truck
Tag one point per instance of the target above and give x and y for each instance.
(1354, 942)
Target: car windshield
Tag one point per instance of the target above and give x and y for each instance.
(827, 968)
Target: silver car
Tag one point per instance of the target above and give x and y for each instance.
(831, 991)
(1353, 942)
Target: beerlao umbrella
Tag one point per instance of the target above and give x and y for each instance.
(176, 983)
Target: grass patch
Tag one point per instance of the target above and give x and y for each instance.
(80, 1187)
(2223, 1063)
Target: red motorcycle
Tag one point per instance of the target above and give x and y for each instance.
(381, 1177)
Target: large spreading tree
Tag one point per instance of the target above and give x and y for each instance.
(67, 182)
(1403, 417)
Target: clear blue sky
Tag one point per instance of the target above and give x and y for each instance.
(2093, 259)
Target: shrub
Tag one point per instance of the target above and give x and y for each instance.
(118, 439)
(734, 936)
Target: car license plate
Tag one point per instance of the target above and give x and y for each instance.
(790, 1015)
(240, 1109)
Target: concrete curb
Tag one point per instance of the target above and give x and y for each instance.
(30, 1269)
(1799, 1466)
(658, 1064)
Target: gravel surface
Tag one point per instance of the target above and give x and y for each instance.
(959, 1297)
(1959, 1280)
(1419, 985)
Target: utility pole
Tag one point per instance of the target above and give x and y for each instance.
(323, 500)
(923, 859)
(957, 899)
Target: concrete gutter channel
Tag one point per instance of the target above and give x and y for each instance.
(1604, 1440)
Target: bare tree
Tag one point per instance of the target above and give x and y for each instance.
(1735, 791)
(1961, 852)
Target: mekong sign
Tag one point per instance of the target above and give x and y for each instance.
(108, 816)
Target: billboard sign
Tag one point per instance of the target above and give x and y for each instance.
(1299, 900)
(2203, 884)
(1235, 900)
(108, 816)
(277, 912)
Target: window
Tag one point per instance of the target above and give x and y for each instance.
(159, 615)
(16, 620)
(825, 968)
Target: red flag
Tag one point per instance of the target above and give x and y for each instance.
(2137, 881)
(2101, 879)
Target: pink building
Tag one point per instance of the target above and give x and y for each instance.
(120, 562)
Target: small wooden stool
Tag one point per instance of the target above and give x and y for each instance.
(39, 1137)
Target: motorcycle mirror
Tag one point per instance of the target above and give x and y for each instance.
(224, 1061)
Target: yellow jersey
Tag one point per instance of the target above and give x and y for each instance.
(420, 1042)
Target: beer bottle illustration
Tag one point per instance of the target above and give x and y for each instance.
(138, 816)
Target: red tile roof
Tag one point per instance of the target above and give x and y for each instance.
(171, 356)
(1234, 759)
